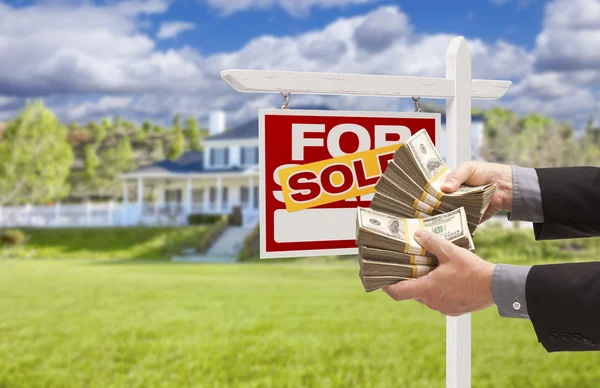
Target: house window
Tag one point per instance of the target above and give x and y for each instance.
(249, 156)
(224, 196)
(219, 157)
(197, 195)
(256, 197)
(173, 195)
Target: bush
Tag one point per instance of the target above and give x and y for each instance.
(12, 237)
(201, 219)
(236, 217)
(251, 248)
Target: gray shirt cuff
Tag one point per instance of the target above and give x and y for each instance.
(527, 197)
(508, 290)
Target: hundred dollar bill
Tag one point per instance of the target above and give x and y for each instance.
(384, 231)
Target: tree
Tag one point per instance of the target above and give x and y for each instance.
(177, 121)
(36, 157)
(157, 150)
(98, 131)
(147, 127)
(90, 162)
(177, 145)
(124, 154)
(158, 130)
(192, 133)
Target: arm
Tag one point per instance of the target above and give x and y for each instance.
(569, 198)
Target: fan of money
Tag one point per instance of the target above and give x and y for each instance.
(408, 197)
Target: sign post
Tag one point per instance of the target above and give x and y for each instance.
(457, 88)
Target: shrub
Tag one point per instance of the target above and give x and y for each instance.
(251, 248)
(236, 217)
(12, 237)
(200, 219)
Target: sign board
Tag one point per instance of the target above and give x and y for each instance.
(299, 137)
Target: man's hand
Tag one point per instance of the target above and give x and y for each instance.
(462, 282)
(479, 174)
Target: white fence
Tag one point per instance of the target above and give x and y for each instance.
(109, 214)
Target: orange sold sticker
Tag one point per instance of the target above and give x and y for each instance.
(326, 181)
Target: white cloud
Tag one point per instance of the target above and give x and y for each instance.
(169, 30)
(59, 52)
(54, 48)
(292, 7)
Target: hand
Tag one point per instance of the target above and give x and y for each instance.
(479, 174)
(462, 282)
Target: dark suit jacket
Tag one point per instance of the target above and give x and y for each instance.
(563, 300)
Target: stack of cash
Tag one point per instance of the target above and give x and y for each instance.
(408, 197)
(410, 186)
(388, 252)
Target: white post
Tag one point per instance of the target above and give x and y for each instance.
(219, 194)
(57, 214)
(88, 213)
(251, 192)
(125, 204)
(458, 135)
(205, 194)
(188, 195)
(140, 197)
(111, 206)
(457, 88)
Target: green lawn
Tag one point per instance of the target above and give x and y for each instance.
(102, 243)
(75, 323)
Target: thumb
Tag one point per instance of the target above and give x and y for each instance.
(458, 176)
(406, 289)
(443, 249)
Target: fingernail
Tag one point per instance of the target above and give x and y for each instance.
(419, 233)
(449, 184)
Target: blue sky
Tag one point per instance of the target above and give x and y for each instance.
(152, 58)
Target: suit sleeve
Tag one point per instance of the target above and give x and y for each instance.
(563, 304)
(570, 198)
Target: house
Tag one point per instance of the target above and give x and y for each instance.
(212, 181)
(219, 178)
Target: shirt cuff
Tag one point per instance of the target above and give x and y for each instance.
(508, 290)
(527, 197)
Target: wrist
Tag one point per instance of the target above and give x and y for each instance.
(504, 187)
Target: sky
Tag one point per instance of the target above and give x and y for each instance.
(152, 58)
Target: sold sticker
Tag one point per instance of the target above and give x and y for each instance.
(336, 179)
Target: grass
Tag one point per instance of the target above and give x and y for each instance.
(285, 323)
(101, 243)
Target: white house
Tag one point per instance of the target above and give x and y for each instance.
(222, 176)
(212, 181)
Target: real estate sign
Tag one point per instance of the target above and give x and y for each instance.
(329, 162)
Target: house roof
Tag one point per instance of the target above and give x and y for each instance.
(249, 130)
(188, 163)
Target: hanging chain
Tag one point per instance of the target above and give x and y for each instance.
(286, 100)
(417, 101)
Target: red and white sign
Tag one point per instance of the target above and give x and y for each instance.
(296, 137)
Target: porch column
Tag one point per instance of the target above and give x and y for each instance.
(205, 195)
(125, 192)
(140, 197)
(219, 194)
(188, 190)
(251, 192)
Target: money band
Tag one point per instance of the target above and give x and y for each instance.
(420, 260)
(418, 205)
(410, 227)
(420, 270)
(430, 200)
(418, 214)
(432, 185)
